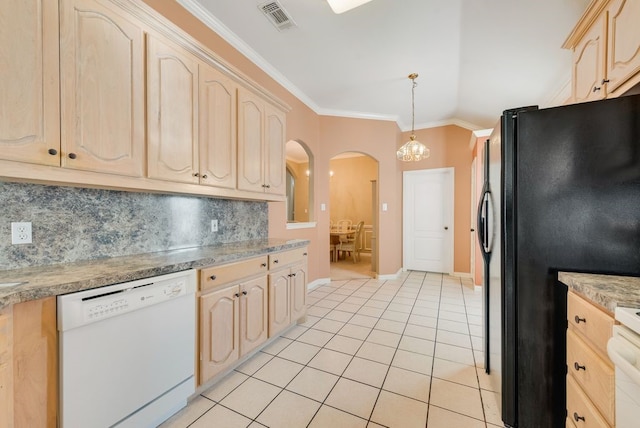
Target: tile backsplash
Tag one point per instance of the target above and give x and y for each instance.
(72, 224)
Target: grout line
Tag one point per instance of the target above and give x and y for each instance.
(393, 288)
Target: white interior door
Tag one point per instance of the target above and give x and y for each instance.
(428, 220)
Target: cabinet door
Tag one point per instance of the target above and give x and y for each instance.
(254, 318)
(298, 291)
(102, 89)
(279, 302)
(274, 151)
(172, 112)
(219, 329)
(623, 55)
(589, 64)
(29, 79)
(250, 143)
(6, 368)
(217, 128)
(35, 363)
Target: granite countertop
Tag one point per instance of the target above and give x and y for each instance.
(52, 280)
(608, 291)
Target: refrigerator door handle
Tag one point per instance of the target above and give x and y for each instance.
(483, 223)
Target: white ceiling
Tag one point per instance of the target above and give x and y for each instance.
(474, 58)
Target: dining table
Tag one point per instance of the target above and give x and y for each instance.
(337, 236)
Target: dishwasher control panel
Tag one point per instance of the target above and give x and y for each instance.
(105, 302)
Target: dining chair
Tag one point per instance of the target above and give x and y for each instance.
(352, 244)
(344, 225)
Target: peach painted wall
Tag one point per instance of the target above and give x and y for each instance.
(449, 147)
(327, 136)
(378, 139)
(350, 188)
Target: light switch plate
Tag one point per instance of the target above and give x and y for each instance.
(214, 225)
(384, 206)
(21, 233)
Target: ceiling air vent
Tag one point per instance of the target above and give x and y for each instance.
(277, 15)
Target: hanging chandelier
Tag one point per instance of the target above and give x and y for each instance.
(413, 150)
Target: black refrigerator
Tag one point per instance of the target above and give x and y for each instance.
(562, 193)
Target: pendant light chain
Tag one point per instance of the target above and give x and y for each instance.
(413, 101)
(413, 150)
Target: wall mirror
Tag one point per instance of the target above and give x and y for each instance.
(299, 183)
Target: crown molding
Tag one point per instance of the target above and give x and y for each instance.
(206, 17)
(454, 121)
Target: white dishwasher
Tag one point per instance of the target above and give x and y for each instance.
(624, 350)
(127, 352)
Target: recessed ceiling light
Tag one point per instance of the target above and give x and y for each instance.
(340, 6)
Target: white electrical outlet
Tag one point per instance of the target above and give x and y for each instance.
(21, 233)
(214, 225)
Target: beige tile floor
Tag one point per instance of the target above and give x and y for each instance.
(402, 353)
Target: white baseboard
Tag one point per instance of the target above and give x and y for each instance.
(318, 282)
(461, 274)
(390, 277)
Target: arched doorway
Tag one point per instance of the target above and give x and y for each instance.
(353, 179)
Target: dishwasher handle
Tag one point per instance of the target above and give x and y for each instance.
(623, 358)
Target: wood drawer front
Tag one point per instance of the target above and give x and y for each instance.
(220, 275)
(579, 406)
(597, 376)
(287, 257)
(595, 324)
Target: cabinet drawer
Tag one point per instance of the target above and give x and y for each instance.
(287, 257)
(592, 373)
(595, 324)
(219, 275)
(580, 411)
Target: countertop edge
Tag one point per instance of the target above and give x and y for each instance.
(607, 291)
(87, 274)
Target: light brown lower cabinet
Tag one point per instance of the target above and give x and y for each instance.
(29, 364)
(6, 368)
(287, 289)
(233, 322)
(590, 373)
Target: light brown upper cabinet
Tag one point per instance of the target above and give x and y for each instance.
(217, 128)
(588, 64)
(106, 93)
(606, 50)
(261, 145)
(29, 82)
(623, 55)
(172, 112)
(102, 88)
